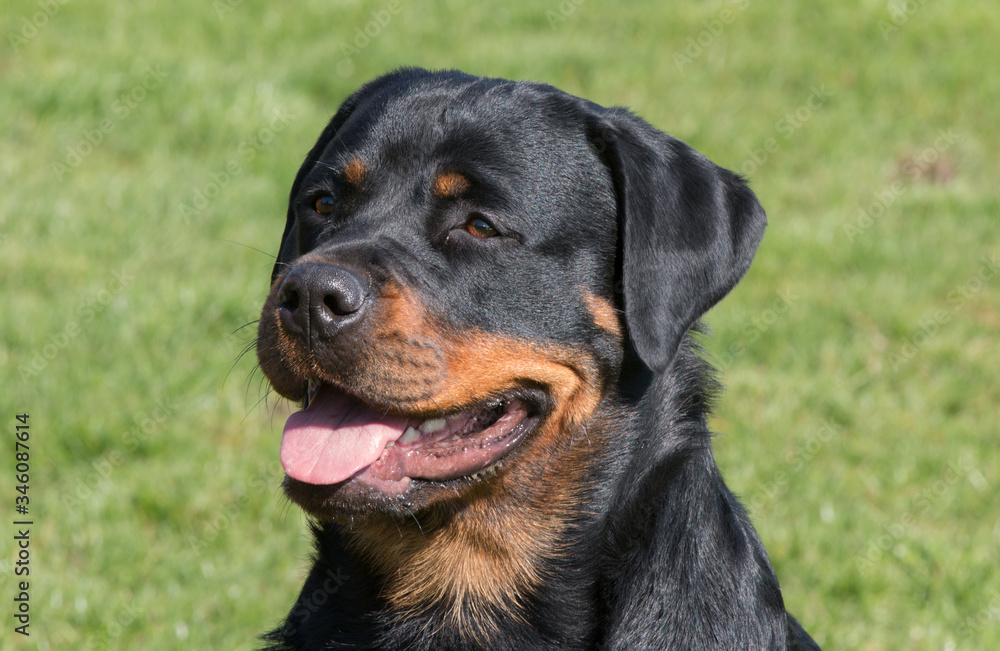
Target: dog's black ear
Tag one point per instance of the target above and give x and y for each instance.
(688, 231)
(289, 238)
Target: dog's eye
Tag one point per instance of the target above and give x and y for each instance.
(479, 227)
(324, 204)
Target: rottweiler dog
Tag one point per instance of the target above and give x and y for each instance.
(484, 300)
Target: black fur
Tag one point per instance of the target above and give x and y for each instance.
(659, 555)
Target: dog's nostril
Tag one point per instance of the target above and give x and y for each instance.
(345, 299)
(288, 298)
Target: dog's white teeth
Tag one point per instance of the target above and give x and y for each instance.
(432, 425)
(389, 444)
(311, 388)
(410, 435)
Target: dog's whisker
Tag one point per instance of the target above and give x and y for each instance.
(247, 246)
(415, 520)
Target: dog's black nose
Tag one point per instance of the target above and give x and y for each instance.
(318, 299)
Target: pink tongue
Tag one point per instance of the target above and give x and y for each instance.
(335, 438)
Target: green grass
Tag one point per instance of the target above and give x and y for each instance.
(870, 466)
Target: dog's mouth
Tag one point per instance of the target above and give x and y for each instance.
(337, 438)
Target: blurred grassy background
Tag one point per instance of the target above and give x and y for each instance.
(147, 152)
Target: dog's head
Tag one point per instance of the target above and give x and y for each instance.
(466, 266)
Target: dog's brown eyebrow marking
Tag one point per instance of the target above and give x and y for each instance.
(450, 184)
(355, 171)
(604, 314)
